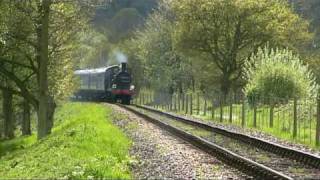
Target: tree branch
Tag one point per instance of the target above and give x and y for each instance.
(24, 91)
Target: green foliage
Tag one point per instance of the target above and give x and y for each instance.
(124, 23)
(120, 18)
(310, 9)
(84, 144)
(165, 69)
(228, 31)
(92, 50)
(278, 74)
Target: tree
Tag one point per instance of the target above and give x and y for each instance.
(124, 23)
(230, 30)
(166, 70)
(119, 19)
(310, 9)
(37, 59)
(278, 75)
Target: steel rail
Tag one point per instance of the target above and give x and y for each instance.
(243, 164)
(283, 151)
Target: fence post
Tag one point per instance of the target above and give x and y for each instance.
(179, 101)
(183, 99)
(318, 123)
(186, 103)
(175, 102)
(171, 102)
(295, 118)
(213, 110)
(191, 104)
(221, 110)
(271, 115)
(205, 107)
(243, 112)
(254, 113)
(198, 104)
(230, 112)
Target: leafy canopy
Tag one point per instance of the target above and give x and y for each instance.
(230, 30)
(278, 74)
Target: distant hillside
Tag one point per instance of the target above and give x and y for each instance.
(309, 9)
(120, 17)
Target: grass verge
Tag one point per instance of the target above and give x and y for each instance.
(83, 144)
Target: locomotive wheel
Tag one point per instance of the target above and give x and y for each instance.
(125, 100)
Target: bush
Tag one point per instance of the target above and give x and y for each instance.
(278, 75)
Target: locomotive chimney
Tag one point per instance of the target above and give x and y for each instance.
(123, 67)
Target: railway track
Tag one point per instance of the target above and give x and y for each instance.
(253, 156)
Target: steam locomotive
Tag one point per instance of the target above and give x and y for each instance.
(111, 84)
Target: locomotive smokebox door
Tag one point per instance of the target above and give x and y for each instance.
(123, 67)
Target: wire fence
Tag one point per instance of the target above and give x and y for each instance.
(292, 119)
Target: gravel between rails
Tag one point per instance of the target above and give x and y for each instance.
(281, 164)
(163, 156)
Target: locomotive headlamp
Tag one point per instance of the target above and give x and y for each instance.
(131, 87)
(114, 86)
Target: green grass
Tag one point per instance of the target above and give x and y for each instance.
(282, 125)
(83, 144)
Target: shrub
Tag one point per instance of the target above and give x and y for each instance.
(278, 75)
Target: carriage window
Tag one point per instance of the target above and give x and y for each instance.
(93, 81)
(100, 82)
(84, 81)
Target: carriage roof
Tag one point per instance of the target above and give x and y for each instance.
(94, 71)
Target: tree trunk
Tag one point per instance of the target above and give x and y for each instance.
(45, 108)
(26, 128)
(225, 86)
(8, 114)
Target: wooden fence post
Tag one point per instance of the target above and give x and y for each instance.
(295, 118)
(191, 104)
(255, 116)
(254, 113)
(230, 112)
(198, 104)
(179, 101)
(187, 103)
(143, 99)
(271, 115)
(205, 107)
(183, 99)
(221, 110)
(243, 112)
(171, 102)
(213, 110)
(318, 123)
(175, 102)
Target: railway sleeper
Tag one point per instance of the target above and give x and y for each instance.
(246, 165)
(306, 158)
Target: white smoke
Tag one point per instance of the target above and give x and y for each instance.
(116, 57)
(120, 57)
